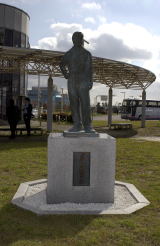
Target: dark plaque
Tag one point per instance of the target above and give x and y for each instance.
(81, 168)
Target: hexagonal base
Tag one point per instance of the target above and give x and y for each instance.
(32, 196)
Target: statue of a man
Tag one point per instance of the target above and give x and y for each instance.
(76, 66)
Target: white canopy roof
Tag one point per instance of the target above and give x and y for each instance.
(112, 73)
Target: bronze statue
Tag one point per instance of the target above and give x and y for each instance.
(76, 66)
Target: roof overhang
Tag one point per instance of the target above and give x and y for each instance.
(112, 73)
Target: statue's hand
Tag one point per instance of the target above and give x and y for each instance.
(90, 85)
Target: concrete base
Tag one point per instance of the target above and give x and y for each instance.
(80, 134)
(32, 196)
(61, 165)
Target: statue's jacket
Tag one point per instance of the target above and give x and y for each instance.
(76, 66)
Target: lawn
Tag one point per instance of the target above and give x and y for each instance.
(152, 128)
(25, 159)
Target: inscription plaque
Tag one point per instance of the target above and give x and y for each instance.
(81, 168)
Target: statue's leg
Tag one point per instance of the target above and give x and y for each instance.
(85, 107)
(75, 106)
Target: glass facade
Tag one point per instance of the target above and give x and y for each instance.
(13, 33)
(2, 35)
(13, 38)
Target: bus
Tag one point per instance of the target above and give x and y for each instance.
(132, 109)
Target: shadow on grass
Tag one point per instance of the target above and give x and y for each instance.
(18, 224)
(122, 133)
(22, 142)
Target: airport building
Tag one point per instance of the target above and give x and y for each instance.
(14, 24)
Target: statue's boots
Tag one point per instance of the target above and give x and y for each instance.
(75, 129)
(89, 129)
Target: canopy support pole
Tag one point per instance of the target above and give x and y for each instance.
(110, 107)
(39, 100)
(50, 104)
(143, 108)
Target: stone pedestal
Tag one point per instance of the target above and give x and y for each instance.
(81, 169)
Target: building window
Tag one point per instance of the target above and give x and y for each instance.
(27, 42)
(16, 39)
(1, 36)
(23, 40)
(8, 37)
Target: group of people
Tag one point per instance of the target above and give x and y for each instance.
(14, 115)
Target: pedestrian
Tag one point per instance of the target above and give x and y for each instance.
(13, 116)
(76, 66)
(27, 114)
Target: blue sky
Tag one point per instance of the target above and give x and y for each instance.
(126, 30)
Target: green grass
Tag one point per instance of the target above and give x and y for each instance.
(25, 159)
(152, 129)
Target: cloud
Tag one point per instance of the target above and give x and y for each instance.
(125, 42)
(49, 43)
(102, 19)
(91, 6)
(105, 41)
(153, 91)
(62, 39)
(89, 20)
(65, 28)
(111, 47)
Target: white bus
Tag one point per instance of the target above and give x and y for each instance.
(132, 109)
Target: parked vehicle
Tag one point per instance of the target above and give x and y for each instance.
(132, 109)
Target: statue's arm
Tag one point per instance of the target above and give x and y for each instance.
(63, 66)
(90, 71)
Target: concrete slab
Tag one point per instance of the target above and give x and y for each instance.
(32, 196)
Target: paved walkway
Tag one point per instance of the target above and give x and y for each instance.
(151, 138)
(105, 117)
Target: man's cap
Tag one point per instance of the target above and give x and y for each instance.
(78, 34)
(85, 41)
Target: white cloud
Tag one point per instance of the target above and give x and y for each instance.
(92, 5)
(62, 38)
(89, 20)
(64, 27)
(102, 19)
(49, 43)
(126, 42)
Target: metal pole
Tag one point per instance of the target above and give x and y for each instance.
(110, 107)
(39, 96)
(26, 84)
(50, 104)
(61, 100)
(143, 108)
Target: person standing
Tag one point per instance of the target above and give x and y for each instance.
(27, 114)
(13, 116)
